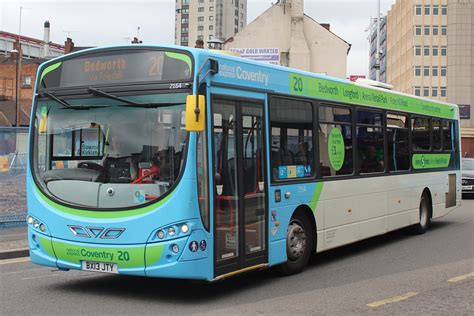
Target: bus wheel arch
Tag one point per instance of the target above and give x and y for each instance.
(300, 240)
(425, 212)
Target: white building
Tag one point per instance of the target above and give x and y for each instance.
(300, 41)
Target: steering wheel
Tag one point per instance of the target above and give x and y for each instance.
(90, 165)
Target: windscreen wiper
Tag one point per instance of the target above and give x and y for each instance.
(129, 103)
(101, 93)
(72, 106)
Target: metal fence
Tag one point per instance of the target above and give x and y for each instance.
(13, 162)
(13, 149)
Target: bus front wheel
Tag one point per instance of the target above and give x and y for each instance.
(299, 243)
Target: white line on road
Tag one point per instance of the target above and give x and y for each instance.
(42, 276)
(461, 277)
(392, 299)
(16, 260)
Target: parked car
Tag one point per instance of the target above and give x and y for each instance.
(467, 167)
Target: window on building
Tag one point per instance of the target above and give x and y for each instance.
(436, 133)
(211, 8)
(241, 24)
(434, 92)
(370, 141)
(426, 71)
(184, 38)
(184, 1)
(426, 91)
(417, 50)
(26, 81)
(427, 9)
(418, 9)
(417, 91)
(420, 133)
(434, 71)
(435, 9)
(292, 154)
(417, 71)
(398, 143)
(444, 30)
(444, 50)
(335, 141)
(211, 18)
(200, 18)
(444, 10)
(200, 28)
(442, 92)
(185, 20)
(201, 9)
(435, 50)
(200, 37)
(211, 27)
(444, 71)
(184, 30)
(427, 30)
(426, 50)
(418, 30)
(435, 30)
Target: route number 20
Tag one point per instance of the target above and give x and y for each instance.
(297, 84)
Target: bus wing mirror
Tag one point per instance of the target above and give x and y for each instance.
(195, 113)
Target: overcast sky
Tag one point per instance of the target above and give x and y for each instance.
(106, 22)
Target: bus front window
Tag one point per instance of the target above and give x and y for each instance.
(104, 153)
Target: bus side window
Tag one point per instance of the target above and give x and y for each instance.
(292, 153)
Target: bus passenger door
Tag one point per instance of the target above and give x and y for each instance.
(240, 207)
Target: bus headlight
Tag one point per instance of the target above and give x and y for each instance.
(161, 234)
(30, 220)
(171, 231)
(184, 228)
(42, 228)
(175, 248)
(36, 224)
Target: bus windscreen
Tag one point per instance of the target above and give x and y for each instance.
(118, 67)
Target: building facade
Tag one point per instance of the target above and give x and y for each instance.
(383, 50)
(208, 20)
(430, 54)
(300, 41)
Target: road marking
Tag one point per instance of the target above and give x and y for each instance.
(392, 299)
(17, 260)
(461, 277)
(41, 276)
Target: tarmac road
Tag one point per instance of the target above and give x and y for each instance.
(397, 273)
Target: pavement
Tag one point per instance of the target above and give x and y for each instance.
(13, 243)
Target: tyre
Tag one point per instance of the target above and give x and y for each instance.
(425, 215)
(299, 244)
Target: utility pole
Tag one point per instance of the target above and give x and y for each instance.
(18, 74)
(377, 53)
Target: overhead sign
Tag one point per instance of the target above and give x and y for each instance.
(264, 55)
(464, 111)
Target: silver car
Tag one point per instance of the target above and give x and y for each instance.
(467, 177)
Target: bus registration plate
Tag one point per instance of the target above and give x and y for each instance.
(106, 267)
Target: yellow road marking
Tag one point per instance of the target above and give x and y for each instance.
(461, 277)
(392, 299)
(17, 260)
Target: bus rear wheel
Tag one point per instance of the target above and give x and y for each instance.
(299, 244)
(425, 215)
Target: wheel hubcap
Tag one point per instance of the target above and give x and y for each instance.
(296, 241)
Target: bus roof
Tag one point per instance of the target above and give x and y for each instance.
(245, 73)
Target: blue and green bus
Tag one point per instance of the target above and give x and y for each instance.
(173, 162)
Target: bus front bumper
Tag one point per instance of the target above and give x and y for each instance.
(176, 258)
